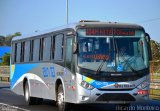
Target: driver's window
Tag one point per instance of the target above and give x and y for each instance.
(68, 58)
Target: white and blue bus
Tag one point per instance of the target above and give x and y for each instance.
(85, 62)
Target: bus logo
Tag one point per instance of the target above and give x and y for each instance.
(116, 85)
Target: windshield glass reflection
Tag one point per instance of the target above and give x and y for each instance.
(118, 54)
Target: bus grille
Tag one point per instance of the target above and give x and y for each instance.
(116, 97)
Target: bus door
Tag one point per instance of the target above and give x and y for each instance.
(69, 61)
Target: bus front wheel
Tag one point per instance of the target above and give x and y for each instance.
(62, 105)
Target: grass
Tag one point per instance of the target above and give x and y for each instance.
(156, 77)
(153, 97)
(155, 91)
(154, 94)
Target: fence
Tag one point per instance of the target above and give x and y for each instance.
(4, 73)
(155, 80)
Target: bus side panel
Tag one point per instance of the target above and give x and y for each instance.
(47, 82)
(18, 73)
(53, 72)
(34, 75)
(49, 73)
(41, 79)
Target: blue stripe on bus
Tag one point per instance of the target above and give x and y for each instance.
(95, 83)
(19, 70)
(99, 84)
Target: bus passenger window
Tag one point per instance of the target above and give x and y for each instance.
(58, 47)
(15, 52)
(26, 51)
(36, 50)
(46, 48)
(18, 56)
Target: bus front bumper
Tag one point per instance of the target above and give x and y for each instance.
(109, 96)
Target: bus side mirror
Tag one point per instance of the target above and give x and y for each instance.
(149, 45)
(75, 48)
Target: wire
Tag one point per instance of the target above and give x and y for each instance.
(149, 20)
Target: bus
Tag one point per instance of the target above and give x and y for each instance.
(81, 63)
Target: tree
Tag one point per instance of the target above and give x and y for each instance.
(155, 48)
(155, 63)
(6, 40)
(2, 39)
(6, 59)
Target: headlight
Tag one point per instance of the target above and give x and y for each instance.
(143, 85)
(86, 85)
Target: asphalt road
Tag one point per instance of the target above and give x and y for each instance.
(9, 101)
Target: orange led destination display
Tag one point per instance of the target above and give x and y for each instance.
(110, 32)
(97, 57)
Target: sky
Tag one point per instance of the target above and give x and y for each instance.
(28, 16)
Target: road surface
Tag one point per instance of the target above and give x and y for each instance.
(9, 101)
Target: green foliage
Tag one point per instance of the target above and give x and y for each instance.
(6, 59)
(6, 40)
(2, 39)
(155, 63)
(155, 47)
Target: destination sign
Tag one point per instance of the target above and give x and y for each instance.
(110, 32)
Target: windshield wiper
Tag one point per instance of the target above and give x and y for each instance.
(104, 60)
(101, 65)
(129, 65)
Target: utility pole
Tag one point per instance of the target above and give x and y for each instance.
(67, 11)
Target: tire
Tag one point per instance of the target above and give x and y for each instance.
(29, 100)
(62, 105)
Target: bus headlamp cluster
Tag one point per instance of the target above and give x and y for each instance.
(143, 85)
(86, 85)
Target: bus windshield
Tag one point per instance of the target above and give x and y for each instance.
(112, 53)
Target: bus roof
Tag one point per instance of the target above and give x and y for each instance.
(84, 23)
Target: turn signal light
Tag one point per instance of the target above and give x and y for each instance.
(142, 92)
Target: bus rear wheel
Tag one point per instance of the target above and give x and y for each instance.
(62, 105)
(29, 100)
